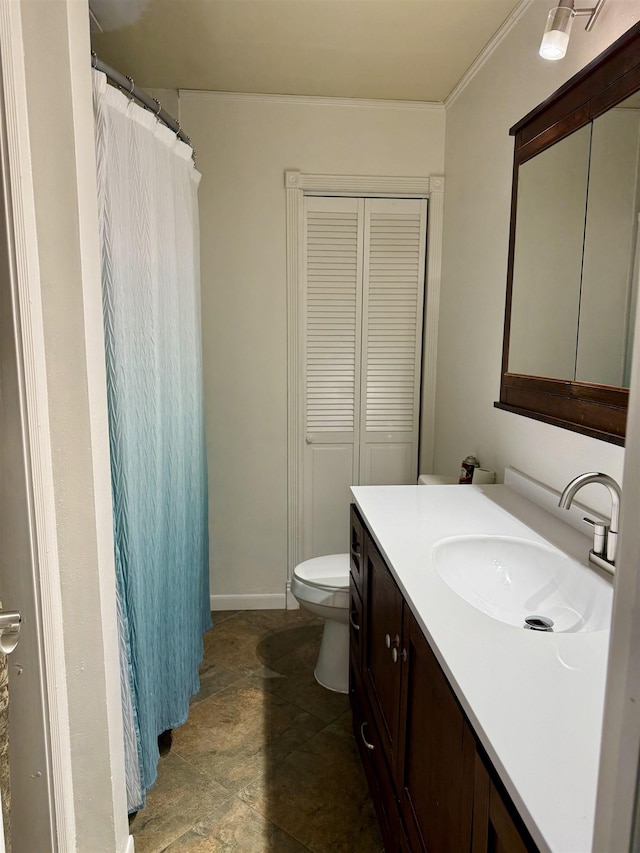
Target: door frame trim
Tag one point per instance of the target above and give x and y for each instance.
(26, 295)
(617, 824)
(297, 185)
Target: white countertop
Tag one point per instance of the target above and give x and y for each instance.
(535, 700)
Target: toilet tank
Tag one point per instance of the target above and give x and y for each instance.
(436, 480)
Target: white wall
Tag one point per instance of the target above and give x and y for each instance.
(243, 146)
(478, 168)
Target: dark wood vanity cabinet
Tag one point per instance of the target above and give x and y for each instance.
(356, 621)
(436, 754)
(497, 828)
(382, 648)
(433, 789)
(357, 549)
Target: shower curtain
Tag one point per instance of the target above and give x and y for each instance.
(148, 216)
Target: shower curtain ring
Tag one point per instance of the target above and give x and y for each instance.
(159, 110)
(94, 59)
(178, 129)
(133, 85)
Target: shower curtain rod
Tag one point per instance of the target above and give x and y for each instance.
(130, 88)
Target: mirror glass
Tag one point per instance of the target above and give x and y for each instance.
(576, 264)
(610, 264)
(545, 301)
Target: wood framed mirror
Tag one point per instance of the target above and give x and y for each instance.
(574, 249)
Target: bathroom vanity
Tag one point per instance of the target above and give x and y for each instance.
(475, 734)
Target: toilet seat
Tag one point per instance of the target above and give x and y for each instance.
(328, 572)
(323, 580)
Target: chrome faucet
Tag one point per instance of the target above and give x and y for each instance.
(605, 536)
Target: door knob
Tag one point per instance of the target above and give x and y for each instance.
(10, 621)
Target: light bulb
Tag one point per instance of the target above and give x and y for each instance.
(556, 34)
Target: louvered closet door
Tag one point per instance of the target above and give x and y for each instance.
(364, 280)
(333, 260)
(393, 294)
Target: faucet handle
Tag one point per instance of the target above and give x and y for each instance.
(600, 530)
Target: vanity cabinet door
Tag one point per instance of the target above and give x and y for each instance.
(356, 631)
(375, 768)
(357, 549)
(374, 764)
(382, 649)
(436, 754)
(496, 826)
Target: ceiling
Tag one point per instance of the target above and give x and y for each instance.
(391, 49)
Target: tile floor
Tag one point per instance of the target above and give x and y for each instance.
(266, 762)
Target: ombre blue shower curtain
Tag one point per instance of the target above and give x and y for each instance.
(148, 216)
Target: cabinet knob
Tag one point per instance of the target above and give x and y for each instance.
(396, 656)
(389, 642)
(354, 624)
(364, 740)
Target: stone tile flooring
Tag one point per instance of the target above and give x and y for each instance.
(266, 762)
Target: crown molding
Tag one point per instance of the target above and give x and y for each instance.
(310, 100)
(486, 52)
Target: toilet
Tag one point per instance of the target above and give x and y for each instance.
(321, 585)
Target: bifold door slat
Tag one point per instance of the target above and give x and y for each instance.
(332, 269)
(395, 276)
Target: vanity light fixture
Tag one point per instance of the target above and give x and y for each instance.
(556, 33)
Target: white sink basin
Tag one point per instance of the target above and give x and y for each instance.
(512, 579)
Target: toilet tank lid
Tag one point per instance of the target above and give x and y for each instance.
(328, 572)
(436, 480)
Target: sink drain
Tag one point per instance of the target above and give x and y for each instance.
(538, 623)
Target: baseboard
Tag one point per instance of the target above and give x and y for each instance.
(130, 848)
(250, 601)
(292, 601)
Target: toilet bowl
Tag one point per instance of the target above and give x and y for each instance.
(321, 585)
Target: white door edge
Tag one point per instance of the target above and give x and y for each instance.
(28, 318)
(618, 792)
